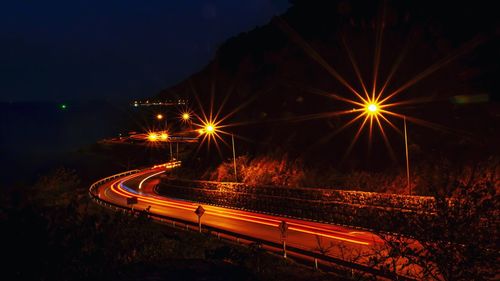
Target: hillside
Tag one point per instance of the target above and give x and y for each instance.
(280, 77)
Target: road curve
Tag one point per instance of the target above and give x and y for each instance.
(331, 240)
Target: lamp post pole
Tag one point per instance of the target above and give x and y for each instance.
(171, 156)
(234, 158)
(407, 160)
(211, 129)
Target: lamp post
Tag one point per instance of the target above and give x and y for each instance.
(211, 129)
(152, 137)
(160, 117)
(372, 109)
(163, 137)
(171, 154)
(407, 160)
(234, 159)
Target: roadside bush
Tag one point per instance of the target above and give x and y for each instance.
(441, 176)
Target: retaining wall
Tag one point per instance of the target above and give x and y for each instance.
(387, 212)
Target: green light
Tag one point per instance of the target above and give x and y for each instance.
(63, 106)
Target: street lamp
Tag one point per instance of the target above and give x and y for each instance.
(407, 160)
(373, 109)
(160, 117)
(164, 136)
(234, 158)
(211, 129)
(153, 137)
(186, 116)
(160, 137)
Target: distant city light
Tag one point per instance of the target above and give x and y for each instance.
(63, 106)
(164, 136)
(186, 116)
(159, 116)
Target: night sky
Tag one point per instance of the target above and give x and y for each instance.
(90, 49)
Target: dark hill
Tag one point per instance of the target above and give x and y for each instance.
(280, 74)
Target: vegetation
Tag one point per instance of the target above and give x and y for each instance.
(460, 242)
(280, 92)
(457, 239)
(282, 170)
(54, 232)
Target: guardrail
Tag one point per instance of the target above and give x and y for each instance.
(337, 213)
(169, 165)
(104, 180)
(298, 253)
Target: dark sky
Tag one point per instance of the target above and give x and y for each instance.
(94, 49)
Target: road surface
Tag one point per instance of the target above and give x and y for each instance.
(337, 241)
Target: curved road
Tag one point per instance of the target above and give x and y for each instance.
(336, 241)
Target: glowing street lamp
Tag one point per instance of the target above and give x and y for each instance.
(372, 108)
(186, 116)
(211, 129)
(164, 136)
(160, 137)
(152, 137)
(160, 117)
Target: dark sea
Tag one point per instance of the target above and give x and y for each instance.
(36, 137)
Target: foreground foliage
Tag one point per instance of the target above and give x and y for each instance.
(460, 242)
(54, 232)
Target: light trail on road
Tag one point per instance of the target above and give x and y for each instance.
(148, 177)
(118, 188)
(301, 233)
(340, 243)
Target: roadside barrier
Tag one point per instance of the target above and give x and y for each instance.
(310, 258)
